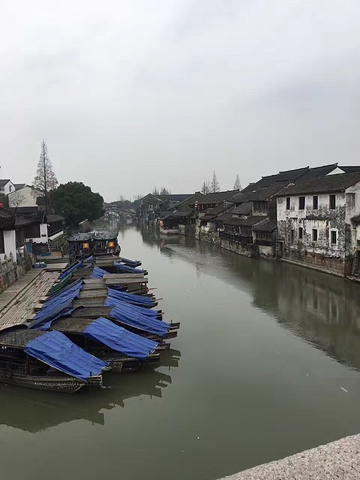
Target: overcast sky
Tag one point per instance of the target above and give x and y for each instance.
(130, 95)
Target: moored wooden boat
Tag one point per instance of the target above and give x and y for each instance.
(21, 365)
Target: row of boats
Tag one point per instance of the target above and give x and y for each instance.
(99, 316)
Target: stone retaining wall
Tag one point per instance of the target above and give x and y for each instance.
(10, 272)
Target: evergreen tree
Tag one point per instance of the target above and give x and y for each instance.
(237, 184)
(45, 179)
(76, 202)
(214, 186)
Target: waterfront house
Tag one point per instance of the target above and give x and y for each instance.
(39, 229)
(6, 186)
(24, 196)
(318, 222)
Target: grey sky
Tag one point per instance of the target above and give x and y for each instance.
(129, 95)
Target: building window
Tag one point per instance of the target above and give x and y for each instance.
(301, 233)
(332, 201)
(292, 236)
(287, 203)
(333, 237)
(314, 235)
(315, 202)
(301, 203)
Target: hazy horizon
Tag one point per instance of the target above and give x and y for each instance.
(162, 93)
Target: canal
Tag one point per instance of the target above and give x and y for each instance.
(266, 365)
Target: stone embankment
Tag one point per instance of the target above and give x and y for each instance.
(336, 460)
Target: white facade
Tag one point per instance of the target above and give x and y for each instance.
(318, 228)
(24, 197)
(9, 244)
(44, 238)
(7, 188)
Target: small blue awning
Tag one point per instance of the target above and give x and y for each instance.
(119, 339)
(56, 350)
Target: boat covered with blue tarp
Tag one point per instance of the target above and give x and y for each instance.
(59, 306)
(56, 350)
(46, 361)
(128, 269)
(139, 300)
(139, 321)
(119, 339)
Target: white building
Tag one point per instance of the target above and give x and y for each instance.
(318, 223)
(24, 196)
(6, 186)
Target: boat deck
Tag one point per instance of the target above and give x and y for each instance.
(28, 293)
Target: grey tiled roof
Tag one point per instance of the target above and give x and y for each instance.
(216, 197)
(244, 222)
(268, 226)
(328, 184)
(243, 209)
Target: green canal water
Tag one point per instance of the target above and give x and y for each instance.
(266, 364)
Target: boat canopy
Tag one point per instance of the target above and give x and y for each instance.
(139, 321)
(119, 339)
(56, 350)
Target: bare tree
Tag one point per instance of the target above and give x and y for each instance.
(205, 188)
(45, 179)
(16, 199)
(214, 186)
(237, 184)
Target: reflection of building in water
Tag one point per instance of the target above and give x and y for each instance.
(34, 411)
(320, 308)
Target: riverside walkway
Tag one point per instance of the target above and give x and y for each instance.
(17, 302)
(336, 460)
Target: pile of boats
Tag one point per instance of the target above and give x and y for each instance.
(99, 316)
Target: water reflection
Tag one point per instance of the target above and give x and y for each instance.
(322, 309)
(34, 411)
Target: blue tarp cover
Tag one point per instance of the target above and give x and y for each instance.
(56, 350)
(65, 289)
(132, 298)
(60, 306)
(132, 263)
(98, 272)
(147, 324)
(112, 301)
(119, 339)
(70, 293)
(126, 268)
(70, 270)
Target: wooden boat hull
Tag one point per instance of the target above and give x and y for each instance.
(128, 364)
(53, 384)
(169, 231)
